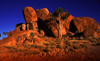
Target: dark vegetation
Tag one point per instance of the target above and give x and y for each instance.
(5, 33)
(0, 35)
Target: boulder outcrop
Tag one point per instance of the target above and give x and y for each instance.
(10, 41)
(20, 27)
(10, 33)
(68, 22)
(89, 32)
(33, 26)
(82, 23)
(42, 12)
(30, 18)
(40, 25)
(29, 14)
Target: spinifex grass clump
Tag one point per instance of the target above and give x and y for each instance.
(67, 42)
(83, 45)
(52, 42)
(46, 43)
(31, 34)
(10, 47)
(76, 47)
(61, 45)
(75, 42)
(28, 46)
(52, 47)
(72, 49)
(22, 50)
(33, 52)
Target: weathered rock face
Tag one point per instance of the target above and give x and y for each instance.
(42, 32)
(82, 23)
(10, 41)
(10, 33)
(42, 12)
(29, 14)
(96, 35)
(90, 32)
(20, 39)
(55, 31)
(63, 30)
(68, 21)
(27, 26)
(98, 30)
(23, 26)
(33, 26)
(20, 27)
(50, 27)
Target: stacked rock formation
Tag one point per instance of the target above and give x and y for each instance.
(30, 18)
(41, 20)
(39, 24)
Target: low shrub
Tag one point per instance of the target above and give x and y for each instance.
(52, 47)
(61, 46)
(46, 49)
(31, 34)
(83, 45)
(85, 42)
(10, 47)
(28, 46)
(12, 51)
(52, 43)
(71, 49)
(76, 32)
(76, 47)
(75, 42)
(46, 43)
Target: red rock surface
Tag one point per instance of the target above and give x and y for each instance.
(90, 32)
(20, 27)
(67, 22)
(33, 26)
(42, 12)
(42, 32)
(10, 41)
(82, 23)
(10, 33)
(29, 14)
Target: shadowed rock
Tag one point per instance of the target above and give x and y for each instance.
(42, 25)
(20, 27)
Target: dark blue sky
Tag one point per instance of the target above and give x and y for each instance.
(11, 10)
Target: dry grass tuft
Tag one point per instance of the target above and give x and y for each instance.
(83, 45)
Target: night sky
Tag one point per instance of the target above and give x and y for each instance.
(11, 10)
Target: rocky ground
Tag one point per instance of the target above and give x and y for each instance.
(59, 50)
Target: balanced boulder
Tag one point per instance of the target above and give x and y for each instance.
(29, 14)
